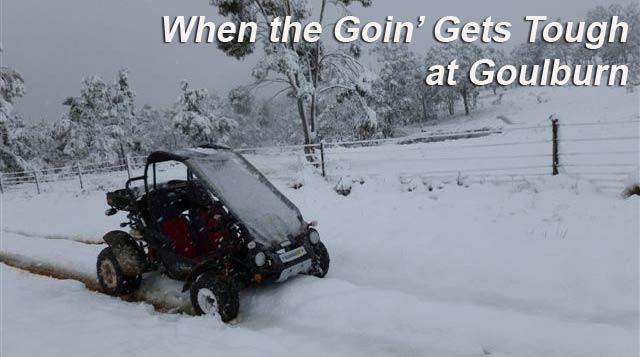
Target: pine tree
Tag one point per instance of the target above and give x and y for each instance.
(100, 123)
(11, 88)
(201, 117)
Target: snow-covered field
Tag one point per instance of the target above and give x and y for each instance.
(542, 266)
(546, 268)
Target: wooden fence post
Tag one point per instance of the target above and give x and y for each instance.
(324, 174)
(35, 177)
(554, 143)
(80, 175)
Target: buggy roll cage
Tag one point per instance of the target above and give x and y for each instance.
(153, 159)
(157, 157)
(186, 157)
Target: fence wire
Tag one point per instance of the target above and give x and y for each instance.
(442, 153)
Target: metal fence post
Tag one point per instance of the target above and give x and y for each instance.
(35, 177)
(554, 143)
(80, 175)
(324, 174)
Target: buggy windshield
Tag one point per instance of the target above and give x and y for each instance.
(264, 211)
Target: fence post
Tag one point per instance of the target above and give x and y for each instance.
(1, 188)
(126, 162)
(554, 143)
(35, 177)
(324, 174)
(79, 175)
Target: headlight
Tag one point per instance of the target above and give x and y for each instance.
(251, 245)
(314, 236)
(260, 259)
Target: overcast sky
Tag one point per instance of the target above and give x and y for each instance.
(54, 44)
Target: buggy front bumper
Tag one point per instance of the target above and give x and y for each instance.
(302, 267)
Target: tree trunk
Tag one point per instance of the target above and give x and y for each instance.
(308, 151)
(465, 99)
(312, 115)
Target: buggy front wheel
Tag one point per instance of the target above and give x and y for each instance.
(111, 278)
(213, 295)
(320, 262)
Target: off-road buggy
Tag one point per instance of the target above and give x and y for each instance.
(221, 228)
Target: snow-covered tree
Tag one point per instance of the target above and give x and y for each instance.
(33, 143)
(529, 53)
(11, 88)
(81, 133)
(101, 123)
(201, 117)
(499, 57)
(400, 94)
(262, 121)
(124, 121)
(618, 52)
(300, 68)
(465, 55)
(154, 131)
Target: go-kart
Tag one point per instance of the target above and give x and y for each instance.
(220, 228)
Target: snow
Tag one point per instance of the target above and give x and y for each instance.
(544, 268)
(456, 264)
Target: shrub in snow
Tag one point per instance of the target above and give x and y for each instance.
(408, 183)
(632, 184)
(633, 190)
(542, 98)
(433, 184)
(296, 184)
(462, 180)
(344, 187)
(505, 119)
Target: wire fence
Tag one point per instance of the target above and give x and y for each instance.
(605, 153)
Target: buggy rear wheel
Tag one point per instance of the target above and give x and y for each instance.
(213, 295)
(320, 262)
(111, 278)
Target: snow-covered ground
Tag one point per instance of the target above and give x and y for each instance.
(422, 265)
(545, 268)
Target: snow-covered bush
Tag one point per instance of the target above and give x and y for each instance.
(632, 184)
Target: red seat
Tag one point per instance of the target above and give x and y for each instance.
(214, 237)
(177, 229)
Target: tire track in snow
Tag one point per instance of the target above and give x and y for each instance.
(39, 268)
(152, 293)
(78, 239)
(147, 294)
